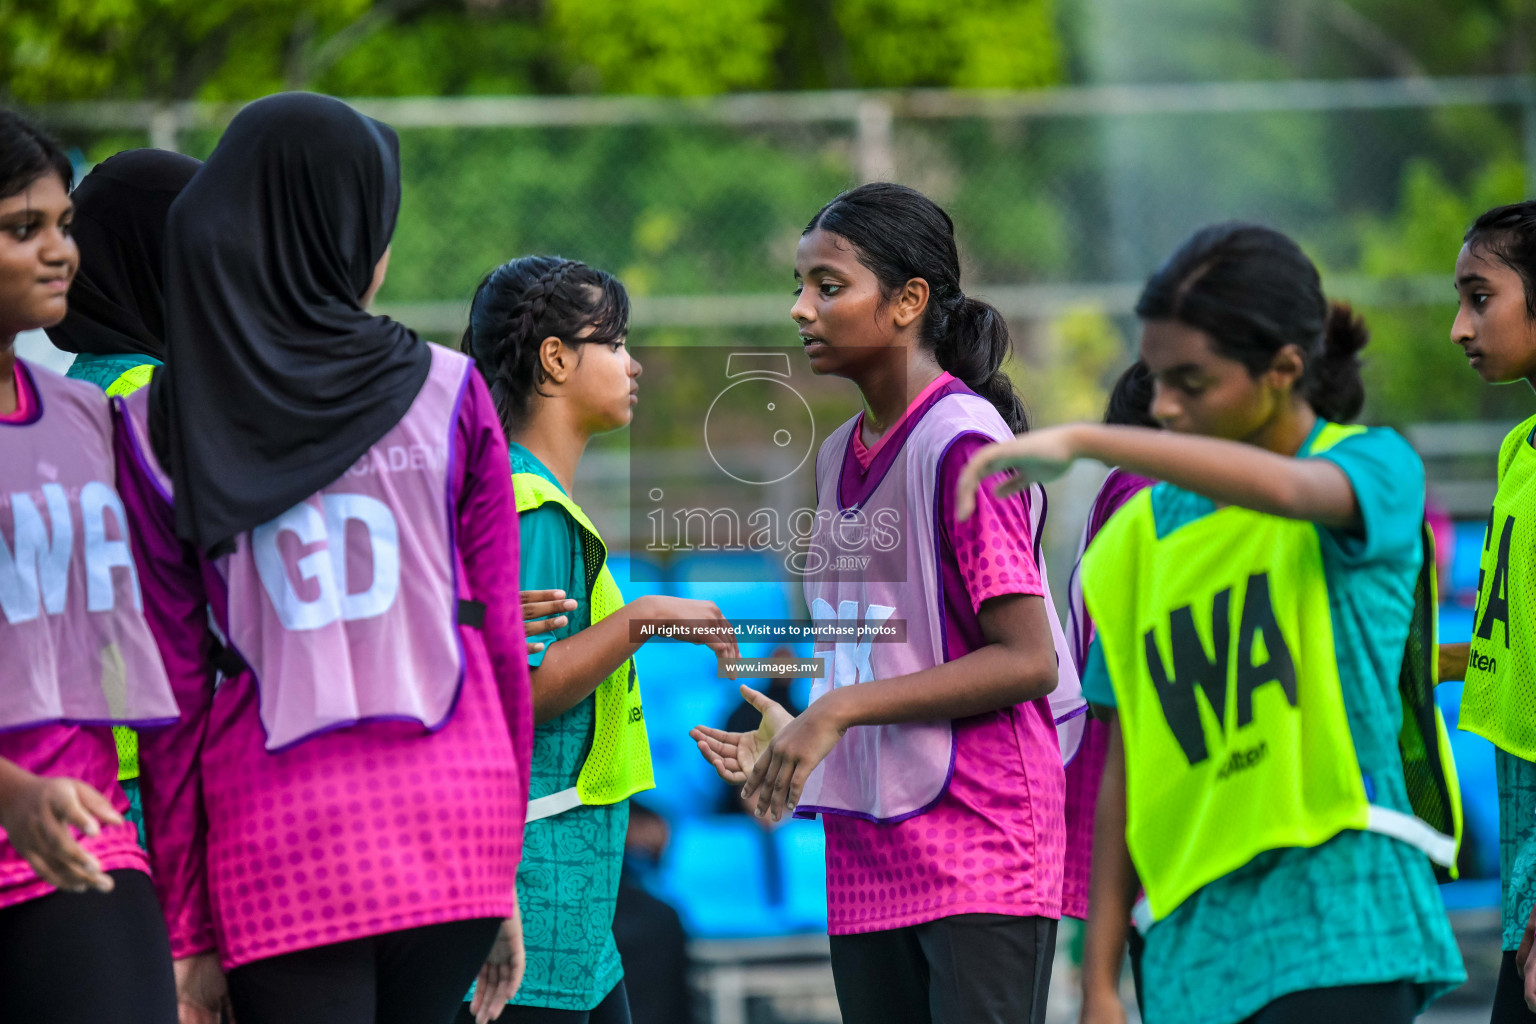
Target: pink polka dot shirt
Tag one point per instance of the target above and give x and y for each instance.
(994, 842)
(367, 830)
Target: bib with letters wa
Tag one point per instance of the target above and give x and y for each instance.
(1499, 699)
(618, 763)
(1219, 642)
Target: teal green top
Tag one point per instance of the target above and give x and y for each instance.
(103, 370)
(1361, 908)
(1517, 842)
(568, 882)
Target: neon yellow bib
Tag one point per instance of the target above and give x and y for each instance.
(618, 765)
(126, 739)
(1219, 642)
(1499, 699)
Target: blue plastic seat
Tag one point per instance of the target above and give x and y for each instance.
(715, 874)
(1465, 561)
(1479, 786)
(681, 691)
(638, 575)
(745, 585)
(803, 860)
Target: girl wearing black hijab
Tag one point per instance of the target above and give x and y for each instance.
(116, 319)
(338, 819)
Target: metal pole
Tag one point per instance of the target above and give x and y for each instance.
(874, 155)
(164, 129)
(1528, 124)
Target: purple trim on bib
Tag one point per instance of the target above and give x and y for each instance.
(120, 410)
(1077, 712)
(453, 541)
(136, 723)
(37, 396)
(855, 484)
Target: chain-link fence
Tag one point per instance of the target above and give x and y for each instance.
(1063, 201)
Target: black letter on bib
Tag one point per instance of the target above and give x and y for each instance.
(1191, 669)
(1278, 667)
(1496, 608)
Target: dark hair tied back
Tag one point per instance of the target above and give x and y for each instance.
(526, 300)
(1253, 291)
(27, 153)
(1508, 233)
(900, 234)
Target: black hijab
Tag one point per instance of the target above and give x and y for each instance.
(276, 379)
(115, 304)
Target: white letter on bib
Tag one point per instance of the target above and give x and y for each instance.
(306, 523)
(102, 555)
(36, 555)
(383, 541)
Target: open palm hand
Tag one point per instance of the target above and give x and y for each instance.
(734, 754)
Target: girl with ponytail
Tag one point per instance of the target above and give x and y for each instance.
(549, 335)
(938, 776)
(1252, 615)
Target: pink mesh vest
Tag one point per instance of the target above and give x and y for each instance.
(874, 567)
(346, 606)
(74, 646)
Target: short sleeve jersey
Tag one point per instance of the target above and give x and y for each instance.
(569, 879)
(1361, 908)
(993, 844)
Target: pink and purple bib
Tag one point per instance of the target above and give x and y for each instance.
(74, 645)
(871, 567)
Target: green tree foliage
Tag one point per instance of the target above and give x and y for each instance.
(53, 50)
(1413, 371)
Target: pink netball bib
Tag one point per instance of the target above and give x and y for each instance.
(346, 606)
(74, 646)
(872, 569)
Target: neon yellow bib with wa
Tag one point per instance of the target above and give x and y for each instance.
(618, 765)
(1218, 638)
(1499, 699)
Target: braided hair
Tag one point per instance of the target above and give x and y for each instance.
(526, 300)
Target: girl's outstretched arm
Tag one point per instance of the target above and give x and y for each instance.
(1016, 664)
(1227, 472)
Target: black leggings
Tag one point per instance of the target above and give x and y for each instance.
(1392, 1002)
(966, 969)
(614, 1009)
(76, 958)
(411, 977)
(1509, 996)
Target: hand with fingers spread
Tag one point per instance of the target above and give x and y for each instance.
(1039, 456)
(502, 973)
(544, 611)
(37, 811)
(780, 772)
(202, 992)
(733, 754)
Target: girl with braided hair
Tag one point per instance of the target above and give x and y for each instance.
(1277, 778)
(549, 335)
(934, 762)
